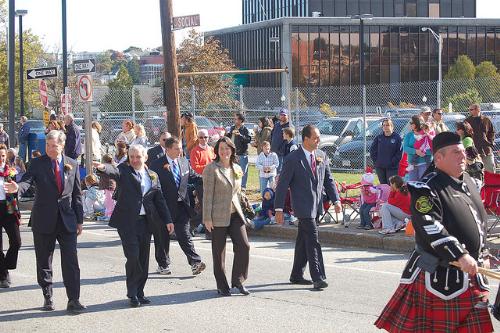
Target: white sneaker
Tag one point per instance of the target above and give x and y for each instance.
(163, 270)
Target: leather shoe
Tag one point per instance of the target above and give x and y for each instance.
(318, 285)
(223, 293)
(48, 305)
(301, 281)
(134, 302)
(242, 289)
(144, 300)
(75, 306)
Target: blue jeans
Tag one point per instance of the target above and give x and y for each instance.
(364, 213)
(23, 150)
(260, 221)
(265, 183)
(243, 162)
(417, 172)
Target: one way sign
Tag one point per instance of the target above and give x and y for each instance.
(84, 66)
(40, 73)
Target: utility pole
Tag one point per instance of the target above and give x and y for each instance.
(11, 62)
(20, 13)
(170, 79)
(64, 47)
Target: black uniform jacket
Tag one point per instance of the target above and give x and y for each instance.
(449, 220)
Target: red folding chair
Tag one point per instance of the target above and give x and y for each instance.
(349, 201)
(490, 193)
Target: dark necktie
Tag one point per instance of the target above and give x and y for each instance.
(176, 173)
(57, 173)
(313, 165)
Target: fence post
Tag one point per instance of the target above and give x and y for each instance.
(297, 113)
(133, 105)
(241, 99)
(193, 100)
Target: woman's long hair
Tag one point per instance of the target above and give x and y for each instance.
(466, 127)
(399, 183)
(230, 143)
(417, 121)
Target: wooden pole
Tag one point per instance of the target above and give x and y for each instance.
(170, 78)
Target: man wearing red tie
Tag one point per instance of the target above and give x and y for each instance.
(57, 214)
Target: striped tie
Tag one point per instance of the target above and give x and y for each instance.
(176, 173)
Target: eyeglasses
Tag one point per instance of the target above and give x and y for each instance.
(203, 137)
(471, 109)
(439, 113)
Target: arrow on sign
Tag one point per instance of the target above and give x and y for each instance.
(84, 66)
(40, 73)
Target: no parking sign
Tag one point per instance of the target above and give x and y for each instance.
(85, 88)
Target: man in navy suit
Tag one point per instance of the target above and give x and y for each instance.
(57, 214)
(306, 172)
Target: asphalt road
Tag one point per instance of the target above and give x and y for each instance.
(361, 282)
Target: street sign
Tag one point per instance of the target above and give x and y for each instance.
(63, 103)
(84, 66)
(40, 73)
(44, 97)
(181, 22)
(85, 89)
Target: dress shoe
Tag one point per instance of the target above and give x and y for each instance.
(144, 300)
(48, 305)
(134, 302)
(74, 306)
(223, 293)
(321, 284)
(301, 281)
(4, 283)
(242, 289)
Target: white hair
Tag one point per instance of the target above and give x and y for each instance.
(69, 116)
(138, 149)
(203, 132)
(56, 135)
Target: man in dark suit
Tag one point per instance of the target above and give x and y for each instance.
(133, 219)
(158, 151)
(175, 174)
(306, 172)
(57, 214)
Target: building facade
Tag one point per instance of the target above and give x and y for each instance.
(325, 51)
(262, 10)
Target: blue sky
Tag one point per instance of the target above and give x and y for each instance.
(95, 25)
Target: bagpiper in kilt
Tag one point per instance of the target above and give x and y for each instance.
(450, 226)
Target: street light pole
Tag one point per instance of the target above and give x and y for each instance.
(439, 40)
(64, 47)
(11, 63)
(20, 13)
(362, 19)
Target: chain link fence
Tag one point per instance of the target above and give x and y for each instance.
(338, 111)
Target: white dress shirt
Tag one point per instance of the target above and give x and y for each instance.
(2, 191)
(308, 156)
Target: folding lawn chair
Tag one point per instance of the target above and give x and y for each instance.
(350, 199)
(490, 193)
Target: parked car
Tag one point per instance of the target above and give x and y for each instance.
(402, 112)
(339, 130)
(215, 131)
(349, 156)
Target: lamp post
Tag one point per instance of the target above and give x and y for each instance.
(20, 13)
(11, 64)
(439, 39)
(362, 19)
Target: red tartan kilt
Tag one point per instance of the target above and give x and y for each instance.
(414, 309)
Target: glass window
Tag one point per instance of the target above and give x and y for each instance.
(490, 44)
(364, 7)
(328, 9)
(354, 55)
(340, 8)
(303, 55)
(324, 56)
(315, 6)
(399, 8)
(377, 8)
(384, 74)
(497, 48)
(445, 10)
(471, 43)
(462, 41)
(456, 8)
(295, 56)
(385, 43)
(334, 56)
(394, 46)
(344, 55)
(452, 45)
(433, 8)
(422, 8)
(469, 8)
(481, 44)
(405, 46)
(411, 8)
(388, 8)
(443, 31)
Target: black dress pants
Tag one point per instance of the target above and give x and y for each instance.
(308, 250)
(9, 224)
(44, 251)
(136, 243)
(241, 247)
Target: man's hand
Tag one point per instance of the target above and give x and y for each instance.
(98, 166)
(279, 217)
(468, 264)
(11, 187)
(209, 225)
(79, 229)
(338, 207)
(170, 228)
